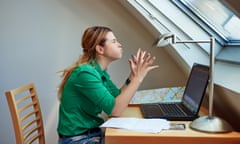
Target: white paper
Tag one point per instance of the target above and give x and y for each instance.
(138, 124)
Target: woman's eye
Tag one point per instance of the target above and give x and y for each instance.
(114, 41)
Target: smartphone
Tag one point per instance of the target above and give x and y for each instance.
(177, 126)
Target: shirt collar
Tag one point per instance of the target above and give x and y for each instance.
(103, 73)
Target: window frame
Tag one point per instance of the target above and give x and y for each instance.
(204, 24)
(229, 51)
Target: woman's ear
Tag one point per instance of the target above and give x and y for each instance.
(99, 49)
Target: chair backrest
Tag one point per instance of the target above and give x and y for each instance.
(26, 114)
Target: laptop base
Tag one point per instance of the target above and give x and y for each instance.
(153, 111)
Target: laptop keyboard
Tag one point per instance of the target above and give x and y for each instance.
(152, 109)
(171, 109)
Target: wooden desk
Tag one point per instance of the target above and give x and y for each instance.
(188, 136)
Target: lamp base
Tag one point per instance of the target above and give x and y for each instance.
(211, 125)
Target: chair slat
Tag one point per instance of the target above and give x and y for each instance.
(31, 131)
(30, 141)
(35, 120)
(26, 106)
(22, 99)
(26, 116)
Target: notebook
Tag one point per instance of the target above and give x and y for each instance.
(188, 108)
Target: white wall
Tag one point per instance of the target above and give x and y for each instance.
(39, 38)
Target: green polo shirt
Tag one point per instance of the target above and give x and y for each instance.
(87, 92)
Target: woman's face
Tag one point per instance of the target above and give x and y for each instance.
(112, 48)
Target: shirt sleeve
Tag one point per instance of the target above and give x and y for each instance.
(90, 84)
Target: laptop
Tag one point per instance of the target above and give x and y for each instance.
(188, 108)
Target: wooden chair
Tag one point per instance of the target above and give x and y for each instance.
(26, 115)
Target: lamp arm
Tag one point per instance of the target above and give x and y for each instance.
(194, 41)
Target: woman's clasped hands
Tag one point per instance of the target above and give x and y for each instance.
(141, 64)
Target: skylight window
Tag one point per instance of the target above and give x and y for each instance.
(192, 19)
(215, 16)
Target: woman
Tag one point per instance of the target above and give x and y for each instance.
(86, 89)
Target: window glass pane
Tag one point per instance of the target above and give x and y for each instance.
(217, 16)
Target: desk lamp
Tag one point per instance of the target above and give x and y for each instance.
(209, 123)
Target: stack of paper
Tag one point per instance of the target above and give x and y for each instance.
(138, 124)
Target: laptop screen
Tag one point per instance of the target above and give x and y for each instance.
(196, 87)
